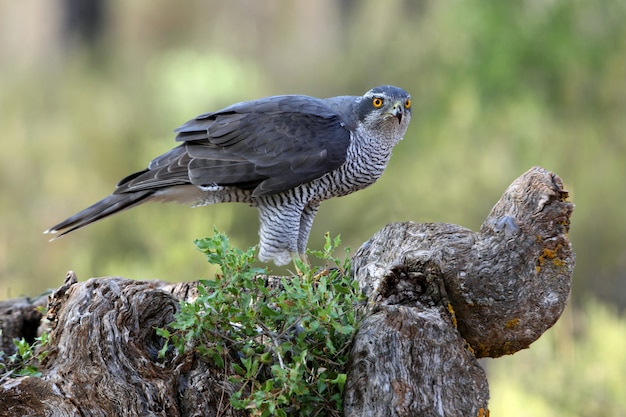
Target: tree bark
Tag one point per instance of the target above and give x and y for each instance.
(439, 297)
(20, 318)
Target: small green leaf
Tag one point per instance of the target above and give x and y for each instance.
(340, 381)
(238, 369)
(287, 346)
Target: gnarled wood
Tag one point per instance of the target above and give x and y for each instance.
(103, 357)
(439, 297)
(20, 318)
(410, 361)
(501, 288)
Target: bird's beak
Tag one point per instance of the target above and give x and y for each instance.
(397, 111)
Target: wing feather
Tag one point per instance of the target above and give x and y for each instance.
(271, 145)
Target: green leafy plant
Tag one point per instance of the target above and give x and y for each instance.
(283, 341)
(25, 360)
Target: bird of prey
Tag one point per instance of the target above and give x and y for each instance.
(283, 155)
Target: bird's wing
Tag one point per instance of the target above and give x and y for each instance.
(269, 145)
(167, 170)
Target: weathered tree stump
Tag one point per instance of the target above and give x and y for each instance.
(20, 318)
(439, 297)
(438, 292)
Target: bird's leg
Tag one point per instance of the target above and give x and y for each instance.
(278, 232)
(306, 222)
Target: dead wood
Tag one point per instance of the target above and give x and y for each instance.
(498, 290)
(20, 318)
(439, 297)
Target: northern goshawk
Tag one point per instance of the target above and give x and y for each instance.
(282, 154)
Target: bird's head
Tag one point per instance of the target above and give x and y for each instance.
(385, 110)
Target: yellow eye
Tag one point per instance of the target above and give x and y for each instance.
(407, 103)
(377, 102)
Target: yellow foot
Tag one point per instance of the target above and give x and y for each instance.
(300, 263)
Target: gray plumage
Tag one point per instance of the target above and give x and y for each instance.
(283, 155)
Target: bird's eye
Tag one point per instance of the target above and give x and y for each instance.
(407, 103)
(377, 102)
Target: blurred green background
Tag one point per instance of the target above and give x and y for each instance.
(91, 91)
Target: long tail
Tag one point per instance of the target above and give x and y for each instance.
(103, 208)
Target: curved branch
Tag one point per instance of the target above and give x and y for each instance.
(498, 290)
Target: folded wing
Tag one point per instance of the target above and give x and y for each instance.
(268, 145)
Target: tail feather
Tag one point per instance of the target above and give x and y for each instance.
(103, 208)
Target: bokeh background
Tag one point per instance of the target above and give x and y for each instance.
(91, 91)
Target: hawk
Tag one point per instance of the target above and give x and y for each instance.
(283, 155)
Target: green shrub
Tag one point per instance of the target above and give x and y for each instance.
(25, 360)
(286, 342)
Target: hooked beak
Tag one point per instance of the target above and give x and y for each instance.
(397, 111)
